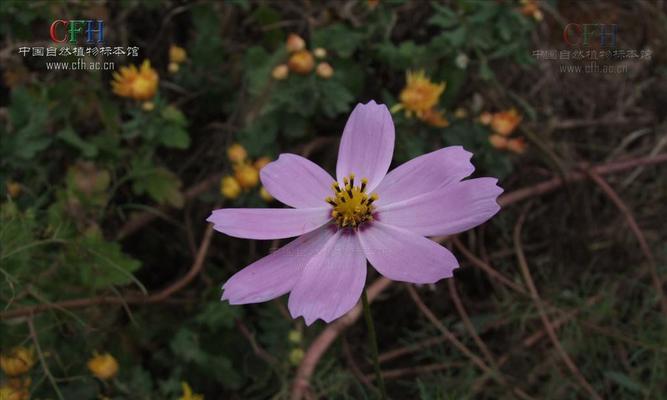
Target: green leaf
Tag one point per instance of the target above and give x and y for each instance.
(339, 38)
(218, 315)
(160, 184)
(70, 137)
(102, 263)
(625, 381)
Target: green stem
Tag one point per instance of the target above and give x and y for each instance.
(372, 338)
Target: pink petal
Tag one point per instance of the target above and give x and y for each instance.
(424, 174)
(401, 255)
(367, 145)
(452, 209)
(275, 274)
(268, 223)
(331, 282)
(297, 181)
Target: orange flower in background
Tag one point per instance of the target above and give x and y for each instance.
(420, 93)
(530, 8)
(517, 145)
(498, 142)
(505, 122)
(301, 62)
(103, 366)
(261, 162)
(435, 118)
(136, 83)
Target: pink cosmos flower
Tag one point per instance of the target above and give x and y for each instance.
(365, 214)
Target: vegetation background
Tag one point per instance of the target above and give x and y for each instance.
(110, 278)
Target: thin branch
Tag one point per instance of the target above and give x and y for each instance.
(636, 230)
(468, 324)
(523, 264)
(494, 373)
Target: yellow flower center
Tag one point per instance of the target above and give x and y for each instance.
(352, 206)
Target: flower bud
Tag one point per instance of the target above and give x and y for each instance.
(324, 70)
(103, 366)
(173, 68)
(13, 189)
(177, 54)
(148, 106)
(295, 356)
(18, 361)
(246, 175)
(301, 62)
(230, 188)
(236, 153)
(280, 72)
(485, 118)
(320, 53)
(295, 43)
(294, 336)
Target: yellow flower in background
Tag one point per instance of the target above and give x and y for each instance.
(230, 188)
(10, 393)
(177, 54)
(301, 62)
(246, 175)
(435, 118)
(103, 366)
(187, 393)
(136, 83)
(17, 361)
(265, 195)
(505, 122)
(420, 94)
(236, 153)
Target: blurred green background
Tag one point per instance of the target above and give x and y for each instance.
(111, 159)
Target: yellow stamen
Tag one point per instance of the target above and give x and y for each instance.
(352, 206)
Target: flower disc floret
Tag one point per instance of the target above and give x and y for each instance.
(352, 206)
